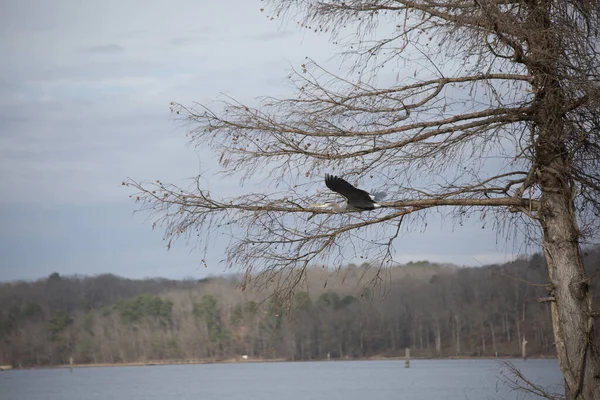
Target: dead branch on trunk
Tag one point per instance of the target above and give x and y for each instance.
(515, 380)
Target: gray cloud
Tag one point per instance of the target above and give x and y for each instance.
(44, 27)
(268, 36)
(182, 41)
(9, 120)
(104, 49)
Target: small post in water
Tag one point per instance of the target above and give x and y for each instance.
(523, 348)
(407, 358)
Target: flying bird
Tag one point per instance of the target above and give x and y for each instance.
(356, 199)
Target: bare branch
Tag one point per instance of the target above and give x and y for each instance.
(516, 380)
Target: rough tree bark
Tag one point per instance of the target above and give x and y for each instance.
(572, 319)
(526, 89)
(572, 306)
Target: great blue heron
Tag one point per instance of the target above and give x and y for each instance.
(357, 199)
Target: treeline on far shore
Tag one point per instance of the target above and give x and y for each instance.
(437, 310)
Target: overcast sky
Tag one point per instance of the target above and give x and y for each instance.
(84, 103)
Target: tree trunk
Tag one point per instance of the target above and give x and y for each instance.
(572, 322)
(493, 338)
(483, 340)
(457, 335)
(518, 333)
(506, 327)
(420, 335)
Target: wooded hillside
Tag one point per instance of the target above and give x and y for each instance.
(436, 310)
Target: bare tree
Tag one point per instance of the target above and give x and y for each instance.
(494, 111)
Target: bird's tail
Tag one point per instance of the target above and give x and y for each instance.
(378, 196)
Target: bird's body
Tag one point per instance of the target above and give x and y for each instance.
(357, 199)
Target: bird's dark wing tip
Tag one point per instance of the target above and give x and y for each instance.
(332, 180)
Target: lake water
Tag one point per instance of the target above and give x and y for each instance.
(347, 380)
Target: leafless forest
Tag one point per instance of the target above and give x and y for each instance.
(436, 310)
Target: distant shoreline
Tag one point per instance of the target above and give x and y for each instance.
(260, 360)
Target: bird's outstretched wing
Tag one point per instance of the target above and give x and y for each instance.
(353, 194)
